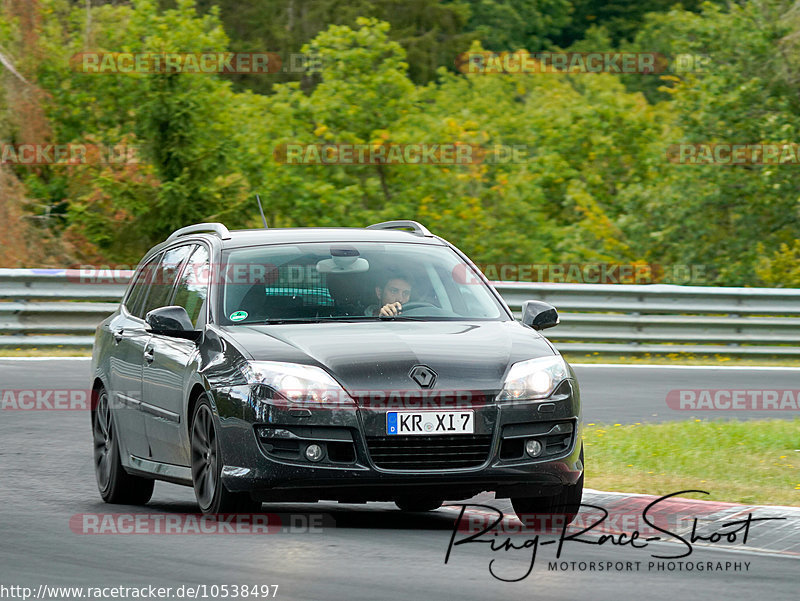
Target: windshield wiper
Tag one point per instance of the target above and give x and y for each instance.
(321, 319)
(350, 318)
(292, 320)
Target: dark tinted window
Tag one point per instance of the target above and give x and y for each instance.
(164, 276)
(192, 289)
(328, 281)
(133, 303)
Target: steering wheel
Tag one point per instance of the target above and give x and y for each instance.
(417, 305)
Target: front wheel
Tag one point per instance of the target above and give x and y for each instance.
(211, 494)
(115, 484)
(567, 503)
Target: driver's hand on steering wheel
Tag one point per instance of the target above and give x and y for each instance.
(391, 309)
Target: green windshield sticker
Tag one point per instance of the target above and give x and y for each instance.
(238, 315)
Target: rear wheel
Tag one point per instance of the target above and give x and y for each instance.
(418, 503)
(211, 494)
(114, 483)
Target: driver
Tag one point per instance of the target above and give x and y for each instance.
(394, 291)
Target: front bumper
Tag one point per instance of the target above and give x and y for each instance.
(263, 443)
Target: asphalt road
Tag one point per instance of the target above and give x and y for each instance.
(371, 552)
(632, 393)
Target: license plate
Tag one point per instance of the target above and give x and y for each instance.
(430, 422)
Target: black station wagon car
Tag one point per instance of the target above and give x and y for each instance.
(344, 364)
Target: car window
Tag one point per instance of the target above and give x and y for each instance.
(164, 276)
(192, 289)
(329, 281)
(133, 302)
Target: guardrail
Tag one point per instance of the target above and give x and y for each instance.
(57, 308)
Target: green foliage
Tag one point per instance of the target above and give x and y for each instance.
(558, 205)
(596, 184)
(782, 268)
(179, 124)
(432, 33)
(518, 24)
(620, 18)
(717, 215)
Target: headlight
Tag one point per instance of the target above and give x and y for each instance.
(534, 379)
(297, 383)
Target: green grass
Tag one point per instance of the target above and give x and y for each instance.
(753, 462)
(44, 352)
(681, 359)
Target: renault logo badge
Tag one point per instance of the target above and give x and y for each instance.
(423, 375)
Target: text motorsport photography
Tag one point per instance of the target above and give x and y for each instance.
(633, 523)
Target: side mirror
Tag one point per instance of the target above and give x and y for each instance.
(172, 321)
(539, 315)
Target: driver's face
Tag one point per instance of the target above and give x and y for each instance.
(395, 291)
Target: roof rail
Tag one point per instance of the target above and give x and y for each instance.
(217, 228)
(419, 229)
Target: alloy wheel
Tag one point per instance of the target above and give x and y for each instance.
(204, 456)
(103, 441)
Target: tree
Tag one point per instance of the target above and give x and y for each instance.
(432, 33)
(181, 125)
(561, 202)
(715, 215)
(621, 19)
(508, 25)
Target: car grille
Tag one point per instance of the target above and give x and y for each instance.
(429, 452)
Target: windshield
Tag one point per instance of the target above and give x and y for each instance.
(351, 282)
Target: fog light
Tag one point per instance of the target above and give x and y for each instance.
(533, 447)
(313, 452)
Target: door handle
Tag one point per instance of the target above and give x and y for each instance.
(118, 334)
(149, 355)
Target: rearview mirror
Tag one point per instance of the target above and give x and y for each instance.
(344, 259)
(539, 315)
(172, 321)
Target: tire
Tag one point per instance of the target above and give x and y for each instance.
(418, 504)
(210, 491)
(567, 503)
(115, 484)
